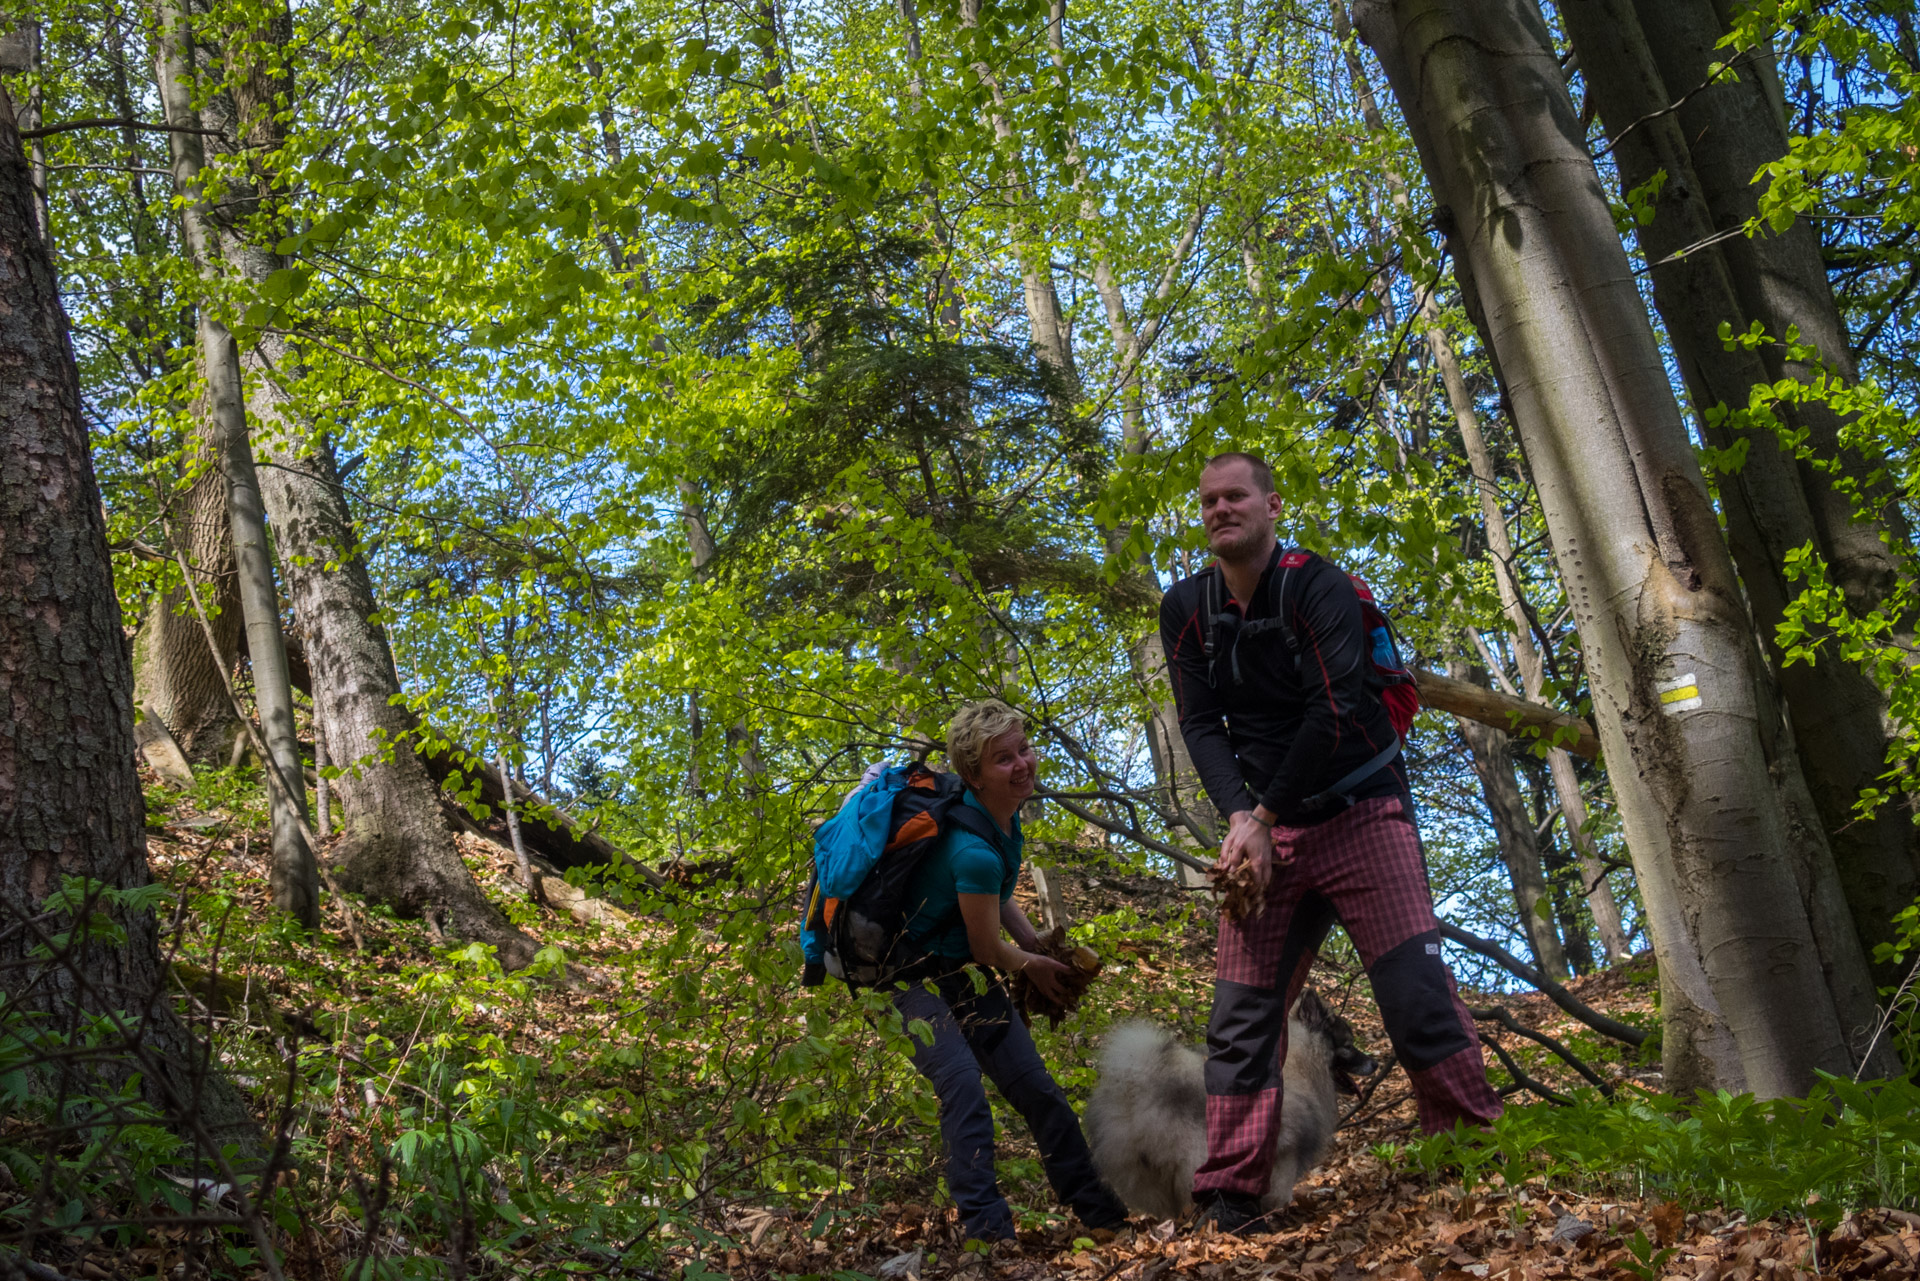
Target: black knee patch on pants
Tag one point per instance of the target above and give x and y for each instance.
(1243, 1037)
(1410, 983)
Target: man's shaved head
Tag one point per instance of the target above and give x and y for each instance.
(1262, 474)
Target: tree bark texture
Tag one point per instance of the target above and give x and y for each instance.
(70, 802)
(1492, 754)
(176, 680)
(1599, 894)
(1773, 503)
(1679, 689)
(1735, 126)
(1047, 323)
(294, 879)
(395, 845)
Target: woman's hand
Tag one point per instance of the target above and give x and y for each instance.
(1048, 975)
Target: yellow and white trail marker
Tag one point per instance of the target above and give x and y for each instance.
(1681, 694)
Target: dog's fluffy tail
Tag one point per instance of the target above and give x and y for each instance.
(1147, 1119)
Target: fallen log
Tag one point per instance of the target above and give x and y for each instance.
(543, 826)
(1517, 716)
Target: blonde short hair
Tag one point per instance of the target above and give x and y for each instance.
(973, 727)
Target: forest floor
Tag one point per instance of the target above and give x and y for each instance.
(1371, 1210)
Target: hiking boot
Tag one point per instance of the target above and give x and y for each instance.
(1231, 1214)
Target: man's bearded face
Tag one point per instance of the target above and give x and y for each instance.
(1238, 517)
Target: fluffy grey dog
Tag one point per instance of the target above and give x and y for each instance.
(1147, 1119)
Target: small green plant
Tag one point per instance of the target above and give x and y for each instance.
(1845, 1146)
(1643, 1260)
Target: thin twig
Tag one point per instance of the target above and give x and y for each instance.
(1546, 1092)
(1678, 103)
(1500, 1015)
(1566, 1000)
(1132, 833)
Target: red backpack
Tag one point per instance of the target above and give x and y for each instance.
(1392, 680)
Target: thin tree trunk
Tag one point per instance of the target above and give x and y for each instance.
(1679, 689)
(70, 802)
(1573, 931)
(520, 860)
(1045, 320)
(1046, 885)
(1492, 754)
(294, 879)
(395, 847)
(1773, 503)
(322, 785)
(1593, 869)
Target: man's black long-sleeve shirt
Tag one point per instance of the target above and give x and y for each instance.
(1280, 735)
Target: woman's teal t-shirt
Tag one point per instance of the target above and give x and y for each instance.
(962, 863)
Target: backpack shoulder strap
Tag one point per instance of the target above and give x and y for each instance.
(968, 819)
(1210, 579)
(1290, 560)
(1280, 614)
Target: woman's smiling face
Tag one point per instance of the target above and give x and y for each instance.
(1007, 772)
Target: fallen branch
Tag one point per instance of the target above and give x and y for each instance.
(1500, 1015)
(1520, 1078)
(542, 823)
(1505, 712)
(1624, 1032)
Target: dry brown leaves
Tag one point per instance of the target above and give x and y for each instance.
(1345, 1227)
(1241, 896)
(1083, 966)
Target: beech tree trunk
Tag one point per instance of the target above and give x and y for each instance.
(1679, 689)
(1466, 417)
(1047, 322)
(1492, 753)
(1737, 125)
(1774, 504)
(1174, 775)
(395, 846)
(294, 879)
(70, 802)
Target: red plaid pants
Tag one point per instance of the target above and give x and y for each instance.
(1364, 869)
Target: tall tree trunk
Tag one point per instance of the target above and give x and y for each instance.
(1737, 125)
(1774, 504)
(1046, 322)
(1175, 776)
(1573, 932)
(1492, 754)
(1679, 689)
(70, 801)
(1466, 417)
(395, 845)
(295, 880)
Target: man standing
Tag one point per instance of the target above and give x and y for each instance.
(1280, 707)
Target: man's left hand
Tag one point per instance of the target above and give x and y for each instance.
(1248, 841)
